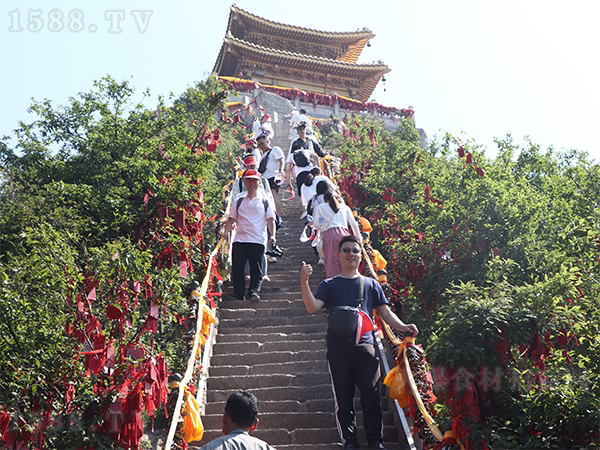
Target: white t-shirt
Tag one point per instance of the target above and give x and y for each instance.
(296, 169)
(251, 220)
(273, 162)
(295, 120)
(259, 129)
(239, 440)
(308, 192)
(324, 218)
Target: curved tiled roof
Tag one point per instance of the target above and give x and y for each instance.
(244, 38)
(292, 31)
(370, 74)
(330, 64)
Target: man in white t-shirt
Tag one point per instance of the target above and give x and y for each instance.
(263, 126)
(239, 420)
(300, 166)
(251, 213)
(274, 167)
(297, 118)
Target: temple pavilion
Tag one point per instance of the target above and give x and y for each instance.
(289, 56)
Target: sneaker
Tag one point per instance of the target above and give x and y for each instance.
(377, 445)
(254, 297)
(303, 215)
(321, 262)
(272, 259)
(266, 278)
(351, 445)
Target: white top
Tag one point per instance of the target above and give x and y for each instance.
(257, 154)
(296, 169)
(273, 162)
(259, 129)
(251, 219)
(264, 190)
(324, 218)
(237, 440)
(295, 120)
(308, 192)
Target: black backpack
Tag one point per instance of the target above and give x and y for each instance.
(300, 158)
(342, 321)
(262, 167)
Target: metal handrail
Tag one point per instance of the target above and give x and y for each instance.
(413, 387)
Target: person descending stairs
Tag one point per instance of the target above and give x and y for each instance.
(276, 350)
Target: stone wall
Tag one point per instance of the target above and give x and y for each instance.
(275, 103)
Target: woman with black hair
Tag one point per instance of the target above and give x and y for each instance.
(334, 220)
(314, 184)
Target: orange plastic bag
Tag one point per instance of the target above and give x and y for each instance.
(193, 430)
(380, 262)
(396, 381)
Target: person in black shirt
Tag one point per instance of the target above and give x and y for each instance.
(352, 361)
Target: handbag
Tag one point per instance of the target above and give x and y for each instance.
(262, 167)
(349, 321)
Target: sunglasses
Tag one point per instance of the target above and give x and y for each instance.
(350, 250)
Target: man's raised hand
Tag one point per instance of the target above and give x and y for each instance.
(306, 271)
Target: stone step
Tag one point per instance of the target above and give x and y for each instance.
(292, 368)
(290, 293)
(302, 436)
(227, 348)
(318, 327)
(276, 350)
(269, 337)
(241, 313)
(278, 393)
(268, 300)
(308, 406)
(292, 420)
(260, 322)
(266, 358)
(332, 446)
(251, 382)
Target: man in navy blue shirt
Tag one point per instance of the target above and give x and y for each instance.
(350, 362)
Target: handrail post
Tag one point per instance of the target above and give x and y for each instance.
(399, 410)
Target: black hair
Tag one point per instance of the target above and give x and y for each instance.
(242, 408)
(322, 187)
(302, 111)
(262, 136)
(350, 238)
(311, 176)
(333, 200)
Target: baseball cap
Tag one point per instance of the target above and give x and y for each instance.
(252, 174)
(249, 159)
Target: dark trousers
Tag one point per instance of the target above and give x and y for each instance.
(356, 365)
(253, 254)
(300, 181)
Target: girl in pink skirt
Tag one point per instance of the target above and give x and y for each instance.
(334, 220)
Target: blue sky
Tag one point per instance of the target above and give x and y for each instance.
(480, 68)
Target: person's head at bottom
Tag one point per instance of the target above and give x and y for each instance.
(241, 411)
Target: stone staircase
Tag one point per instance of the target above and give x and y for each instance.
(276, 350)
